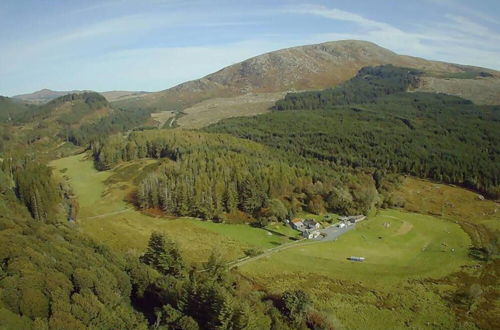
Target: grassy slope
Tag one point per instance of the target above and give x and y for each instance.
(106, 217)
(449, 202)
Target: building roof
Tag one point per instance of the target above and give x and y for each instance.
(296, 220)
(310, 222)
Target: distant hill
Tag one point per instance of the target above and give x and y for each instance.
(45, 95)
(71, 110)
(299, 68)
(10, 108)
(42, 129)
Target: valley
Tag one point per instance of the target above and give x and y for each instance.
(329, 186)
(408, 255)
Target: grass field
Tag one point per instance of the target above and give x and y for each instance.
(106, 217)
(385, 291)
(413, 246)
(415, 264)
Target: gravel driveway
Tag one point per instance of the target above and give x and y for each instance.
(333, 232)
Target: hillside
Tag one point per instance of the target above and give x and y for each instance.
(298, 68)
(10, 108)
(70, 110)
(44, 128)
(46, 95)
(370, 122)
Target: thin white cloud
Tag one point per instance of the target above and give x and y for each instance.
(456, 39)
(464, 9)
(336, 14)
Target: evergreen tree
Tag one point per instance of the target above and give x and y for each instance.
(163, 255)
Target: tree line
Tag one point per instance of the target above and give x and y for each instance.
(435, 136)
(35, 187)
(368, 84)
(212, 175)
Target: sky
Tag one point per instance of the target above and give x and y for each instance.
(151, 45)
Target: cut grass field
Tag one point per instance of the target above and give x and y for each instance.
(393, 288)
(105, 215)
(412, 246)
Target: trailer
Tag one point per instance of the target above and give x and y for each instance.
(359, 259)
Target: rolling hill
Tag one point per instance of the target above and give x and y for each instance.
(46, 95)
(301, 68)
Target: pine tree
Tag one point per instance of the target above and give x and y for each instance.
(163, 255)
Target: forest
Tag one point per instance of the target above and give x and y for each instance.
(212, 175)
(118, 121)
(368, 84)
(434, 136)
(51, 276)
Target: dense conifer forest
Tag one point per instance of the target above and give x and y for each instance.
(53, 277)
(434, 136)
(209, 175)
(368, 84)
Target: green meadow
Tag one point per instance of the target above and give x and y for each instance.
(405, 279)
(109, 219)
(397, 285)
(397, 245)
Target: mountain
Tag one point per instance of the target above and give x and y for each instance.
(45, 95)
(299, 68)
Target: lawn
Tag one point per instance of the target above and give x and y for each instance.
(392, 288)
(255, 237)
(396, 245)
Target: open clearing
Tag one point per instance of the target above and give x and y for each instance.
(213, 110)
(162, 117)
(449, 202)
(105, 216)
(414, 263)
(396, 245)
(392, 289)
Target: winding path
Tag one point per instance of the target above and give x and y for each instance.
(107, 214)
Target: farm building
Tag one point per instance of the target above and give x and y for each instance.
(311, 224)
(297, 224)
(302, 225)
(352, 218)
(310, 233)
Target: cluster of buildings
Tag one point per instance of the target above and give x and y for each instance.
(351, 219)
(308, 227)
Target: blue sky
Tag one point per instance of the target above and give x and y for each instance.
(155, 44)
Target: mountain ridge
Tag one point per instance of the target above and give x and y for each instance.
(306, 67)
